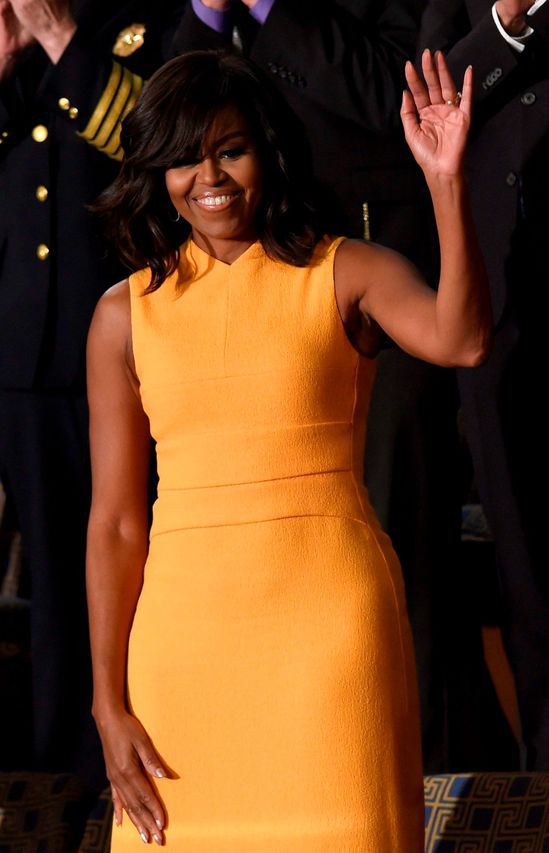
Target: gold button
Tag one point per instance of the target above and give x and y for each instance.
(40, 133)
(73, 112)
(41, 193)
(42, 252)
(63, 103)
(5, 134)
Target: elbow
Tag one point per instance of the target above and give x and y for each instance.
(477, 352)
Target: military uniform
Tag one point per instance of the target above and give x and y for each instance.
(58, 148)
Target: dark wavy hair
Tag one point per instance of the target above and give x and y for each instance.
(169, 123)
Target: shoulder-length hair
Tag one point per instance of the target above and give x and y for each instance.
(169, 123)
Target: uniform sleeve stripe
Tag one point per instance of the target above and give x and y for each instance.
(112, 144)
(115, 111)
(119, 97)
(103, 104)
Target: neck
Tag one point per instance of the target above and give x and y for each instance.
(226, 251)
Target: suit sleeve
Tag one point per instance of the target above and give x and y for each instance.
(446, 26)
(193, 34)
(348, 58)
(540, 23)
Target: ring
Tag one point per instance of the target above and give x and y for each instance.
(454, 102)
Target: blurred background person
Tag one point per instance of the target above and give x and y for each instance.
(55, 60)
(508, 45)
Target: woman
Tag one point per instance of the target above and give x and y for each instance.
(265, 698)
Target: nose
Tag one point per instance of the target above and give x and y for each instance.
(211, 172)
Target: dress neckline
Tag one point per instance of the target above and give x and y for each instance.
(203, 258)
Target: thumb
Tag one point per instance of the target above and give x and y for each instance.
(408, 114)
(149, 757)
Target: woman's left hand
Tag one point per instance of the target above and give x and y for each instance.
(436, 118)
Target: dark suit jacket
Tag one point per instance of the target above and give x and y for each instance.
(340, 66)
(46, 304)
(509, 151)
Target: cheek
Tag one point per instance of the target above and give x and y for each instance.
(177, 187)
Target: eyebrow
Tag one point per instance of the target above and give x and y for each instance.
(233, 135)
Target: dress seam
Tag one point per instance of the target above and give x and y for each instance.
(380, 550)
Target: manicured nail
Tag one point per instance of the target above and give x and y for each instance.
(159, 824)
(159, 773)
(117, 820)
(157, 838)
(144, 837)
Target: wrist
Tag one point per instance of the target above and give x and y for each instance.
(514, 25)
(107, 708)
(441, 184)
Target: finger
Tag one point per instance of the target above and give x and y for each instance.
(150, 759)
(431, 77)
(447, 85)
(466, 104)
(417, 88)
(117, 805)
(140, 801)
(408, 114)
(143, 809)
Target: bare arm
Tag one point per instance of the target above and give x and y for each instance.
(451, 327)
(116, 553)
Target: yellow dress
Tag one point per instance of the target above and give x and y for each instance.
(270, 657)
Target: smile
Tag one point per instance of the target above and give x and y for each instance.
(215, 200)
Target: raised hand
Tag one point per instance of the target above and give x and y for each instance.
(13, 38)
(50, 22)
(436, 118)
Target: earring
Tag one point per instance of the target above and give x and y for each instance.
(177, 218)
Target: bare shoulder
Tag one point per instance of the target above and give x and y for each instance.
(357, 265)
(358, 257)
(112, 316)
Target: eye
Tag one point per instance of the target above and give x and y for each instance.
(232, 153)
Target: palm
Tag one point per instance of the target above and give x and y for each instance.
(439, 140)
(436, 121)
(13, 36)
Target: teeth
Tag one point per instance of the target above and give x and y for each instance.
(213, 201)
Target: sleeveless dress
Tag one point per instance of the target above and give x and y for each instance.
(270, 657)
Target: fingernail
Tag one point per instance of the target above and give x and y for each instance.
(159, 824)
(159, 773)
(117, 820)
(158, 839)
(144, 837)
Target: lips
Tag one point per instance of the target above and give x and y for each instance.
(213, 201)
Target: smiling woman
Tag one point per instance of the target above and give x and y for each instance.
(184, 126)
(254, 683)
(218, 190)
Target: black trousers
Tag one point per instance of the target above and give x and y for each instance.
(503, 403)
(44, 466)
(417, 476)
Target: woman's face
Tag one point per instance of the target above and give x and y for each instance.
(218, 193)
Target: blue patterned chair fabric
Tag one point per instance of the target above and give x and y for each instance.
(487, 813)
(469, 813)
